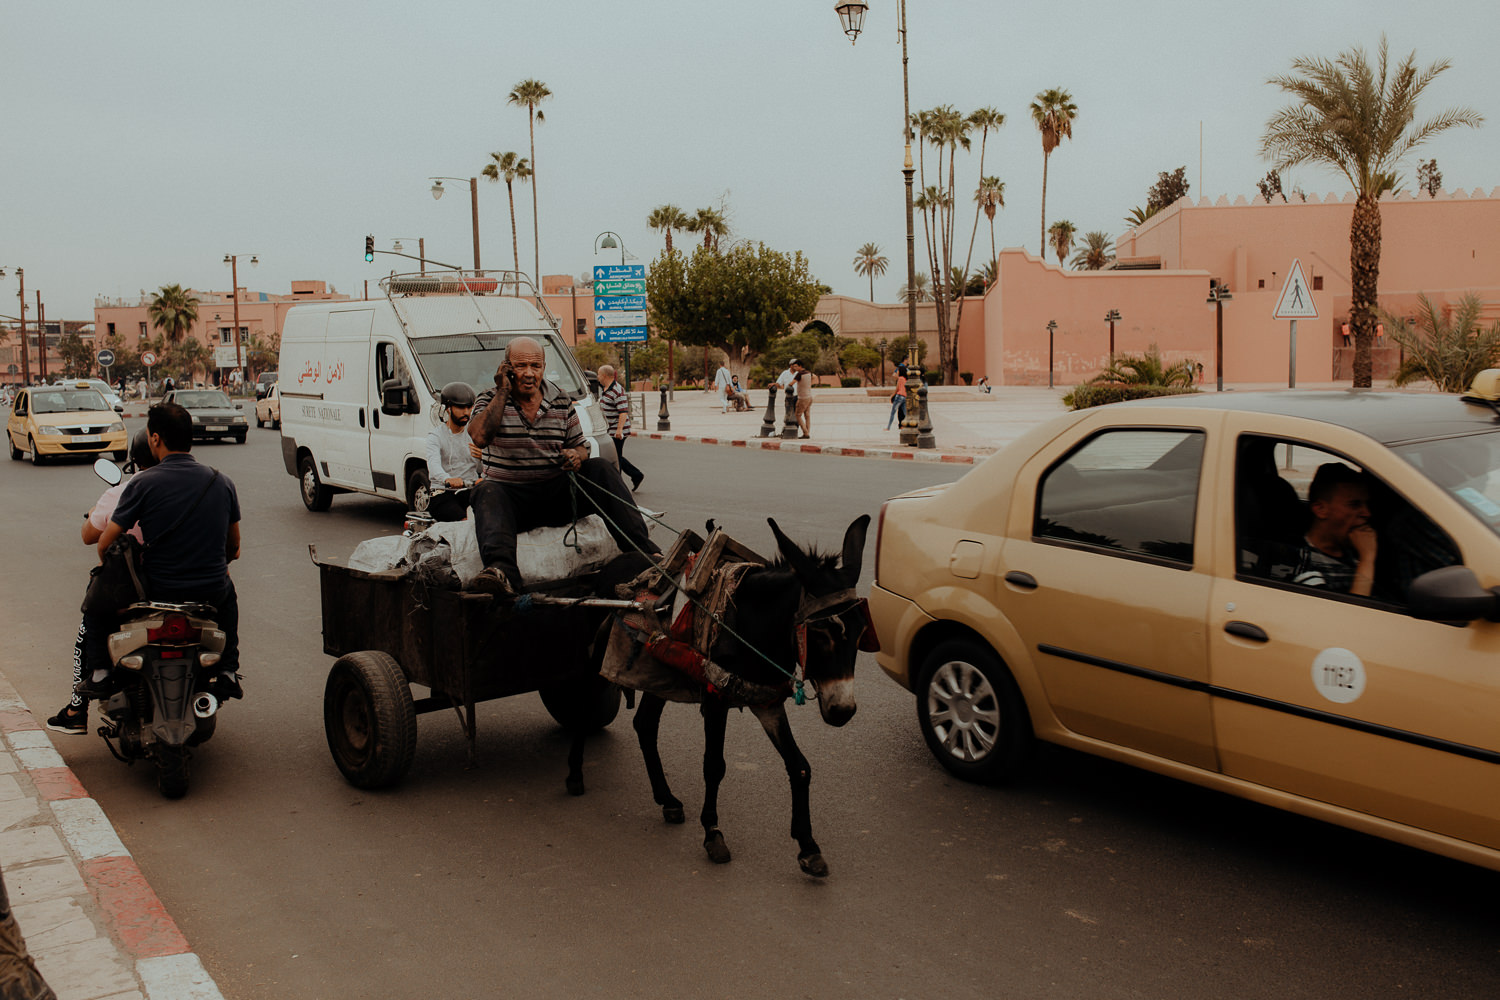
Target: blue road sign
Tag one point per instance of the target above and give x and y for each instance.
(631, 286)
(619, 334)
(106, 358)
(625, 303)
(618, 272)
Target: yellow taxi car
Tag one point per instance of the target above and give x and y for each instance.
(53, 420)
(1152, 582)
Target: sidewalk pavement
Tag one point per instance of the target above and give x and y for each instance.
(95, 928)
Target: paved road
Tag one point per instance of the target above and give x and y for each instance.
(1088, 880)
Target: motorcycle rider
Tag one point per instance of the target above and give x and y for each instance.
(90, 647)
(190, 562)
(452, 456)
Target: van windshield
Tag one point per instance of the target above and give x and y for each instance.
(473, 358)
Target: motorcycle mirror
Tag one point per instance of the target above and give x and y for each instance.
(108, 471)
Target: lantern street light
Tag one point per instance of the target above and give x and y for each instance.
(234, 280)
(1218, 294)
(437, 192)
(1112, 317)
(421, 249)
(1051, 330)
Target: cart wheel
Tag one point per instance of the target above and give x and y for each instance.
(588, 703)
(369, 719)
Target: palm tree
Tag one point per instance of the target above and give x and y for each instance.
(711, 223)
(1097, 251)
(983, 119)
(528, 94)
(1138, 215)
(869, 261)
(1447, 345)
(991, 195)
(1358, 119)
(512, 167)
(917, 290)
(1148, 369)
(1053, 112)
(667, 218)
(1061, 234)
(173, 311)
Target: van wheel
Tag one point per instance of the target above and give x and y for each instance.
(315, 496)
(418, 492)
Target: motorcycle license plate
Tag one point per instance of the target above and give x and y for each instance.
(86, 439)
(217, 428)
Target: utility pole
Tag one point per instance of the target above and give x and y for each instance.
(41, 338)
(25, 350)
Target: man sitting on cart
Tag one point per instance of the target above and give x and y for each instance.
(531, 439)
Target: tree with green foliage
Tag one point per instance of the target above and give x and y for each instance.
(870, 262)
(1447, 346)
(1270, 187)
(262, 353)
(1429, 177)
(667, 219)
(990, 195)
(1053, 113)
(590, 354)
(528, 94)
(77, 357)
(173, 311)
(773, 360)
(1359, 119)
(864, 356)
(510, 167)
(983, 119)
(917, 290)
(1061, 234)
(711, 223)
(1168, 190)
(1097, 252)
(738, 299)
(1137, 216)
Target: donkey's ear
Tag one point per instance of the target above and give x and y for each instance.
(854, 548)
(792, 553)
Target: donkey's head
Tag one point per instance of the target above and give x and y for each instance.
(832, 615)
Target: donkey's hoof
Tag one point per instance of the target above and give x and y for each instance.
(575, 785)
(718, 851)
(813, 864)
(673, 814)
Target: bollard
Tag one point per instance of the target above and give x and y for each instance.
(768, 422)
(663, 418)
(789, 416)
(924, 422)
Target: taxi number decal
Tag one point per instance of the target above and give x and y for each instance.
(1338, 675)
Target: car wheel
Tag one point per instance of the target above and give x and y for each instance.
(972, 714)
(259, 422)
(315, 496)
(120, 456)
(240, 438)
(15, 453)
(36, 457)
(275, 423)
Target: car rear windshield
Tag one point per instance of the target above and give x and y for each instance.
(1467, 467)
(202, 399)
(473, 358)
(67, 401)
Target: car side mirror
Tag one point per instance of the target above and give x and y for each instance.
(1452, 594)
(592, 378)
(396, 397)
(239, 406)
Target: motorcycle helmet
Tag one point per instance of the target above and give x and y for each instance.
(140, 453)
(456, 394)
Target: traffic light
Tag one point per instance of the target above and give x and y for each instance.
(369, 249)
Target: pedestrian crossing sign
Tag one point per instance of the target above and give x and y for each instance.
(1296, 299)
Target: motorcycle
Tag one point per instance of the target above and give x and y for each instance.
(161, 699)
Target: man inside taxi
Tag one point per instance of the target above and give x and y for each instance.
(1338, 551)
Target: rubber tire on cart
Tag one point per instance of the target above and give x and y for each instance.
(586, 704)
(315, 496)
(369, 719)
(418, 492)
(172, 770)
(985, 733)
(36, 456)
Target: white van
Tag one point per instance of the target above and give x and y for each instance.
(359, 380)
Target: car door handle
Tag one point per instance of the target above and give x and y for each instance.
(1023, 580)
(1247, 631)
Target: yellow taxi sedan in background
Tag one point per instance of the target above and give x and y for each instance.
(1135, 581)
(54, 420)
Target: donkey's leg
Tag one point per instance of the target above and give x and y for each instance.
(799, 772)
(715, 722)
(647, 725)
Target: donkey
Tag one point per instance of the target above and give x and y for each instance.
(803, 600)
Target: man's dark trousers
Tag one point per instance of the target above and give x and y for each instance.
(504, 510)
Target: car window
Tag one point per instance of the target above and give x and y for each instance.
(473, 358)
(201, 398)
(1132, 491)
(1467, 467)
(1283, 538)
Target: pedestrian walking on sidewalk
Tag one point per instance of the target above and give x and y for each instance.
(722, 387)
(898, 399)
(615, 403)
(803, 383)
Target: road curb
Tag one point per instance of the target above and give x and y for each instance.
(142, 932)
(847, 451)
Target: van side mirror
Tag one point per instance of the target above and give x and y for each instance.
(1452, 594)
(396, 397)
(592, 378)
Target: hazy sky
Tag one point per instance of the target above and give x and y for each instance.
(145, 140)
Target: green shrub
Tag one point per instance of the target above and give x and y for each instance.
(1101, 393)
(850, 383)
(968, 377)
(932, 378)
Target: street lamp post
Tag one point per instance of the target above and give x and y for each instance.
(884, 346)
(1051, 331)
(437, 192)
(234, 279)
(1112, 317)
(1218, 294)
(421, 250)
(25, 350)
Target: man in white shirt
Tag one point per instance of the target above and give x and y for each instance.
(452, 458)
(721, 387)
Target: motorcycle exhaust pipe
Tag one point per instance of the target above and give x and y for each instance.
(205, 705)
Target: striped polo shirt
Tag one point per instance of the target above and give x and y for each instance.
(529, 452)
(615, 403)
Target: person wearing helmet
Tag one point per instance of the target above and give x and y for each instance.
(74, 716)
(452, 456)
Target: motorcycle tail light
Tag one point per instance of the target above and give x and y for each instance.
(174, 628)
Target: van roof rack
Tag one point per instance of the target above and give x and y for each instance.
(464, 285)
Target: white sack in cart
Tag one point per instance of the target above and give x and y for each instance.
(542, 554)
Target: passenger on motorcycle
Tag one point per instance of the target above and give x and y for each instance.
(452, 456)
(192, 513)
(90, 647)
